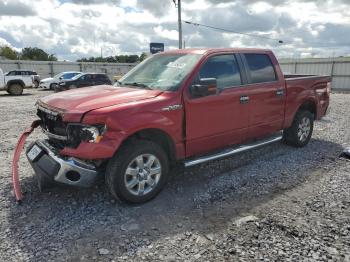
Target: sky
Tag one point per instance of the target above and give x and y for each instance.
(72, 29)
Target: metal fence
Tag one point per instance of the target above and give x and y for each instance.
(338, 68)
(49, 69)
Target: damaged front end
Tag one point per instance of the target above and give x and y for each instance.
(45, 157)
(49, 164)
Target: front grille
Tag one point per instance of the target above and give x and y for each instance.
(53, 125)
(52, 122)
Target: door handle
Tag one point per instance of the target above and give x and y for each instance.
(280, 92)
(244, 99)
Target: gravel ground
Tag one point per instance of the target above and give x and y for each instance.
(275, 203)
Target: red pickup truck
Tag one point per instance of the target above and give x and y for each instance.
(189, 106)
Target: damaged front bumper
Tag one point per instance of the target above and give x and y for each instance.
(50, 167)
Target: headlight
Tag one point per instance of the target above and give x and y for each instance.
(84, 133)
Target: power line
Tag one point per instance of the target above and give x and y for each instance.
(234, 32)
(316, 44)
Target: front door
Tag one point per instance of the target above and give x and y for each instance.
(85, 80)
(218, 120)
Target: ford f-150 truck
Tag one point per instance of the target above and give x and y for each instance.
(189, 106)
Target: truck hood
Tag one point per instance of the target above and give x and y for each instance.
(81, 100)
(47, 79)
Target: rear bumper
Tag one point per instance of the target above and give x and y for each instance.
(50, 167)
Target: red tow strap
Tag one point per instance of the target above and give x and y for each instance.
(16, 156)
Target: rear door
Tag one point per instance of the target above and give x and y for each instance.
(27, 78)
(267, 95)
(218, 120)
(102, 80)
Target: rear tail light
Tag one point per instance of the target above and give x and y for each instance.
(329, 87)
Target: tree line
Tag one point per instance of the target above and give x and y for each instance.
(115, 59)
(37, 54)
(27, 53)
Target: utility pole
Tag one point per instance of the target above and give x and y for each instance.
(178, 5)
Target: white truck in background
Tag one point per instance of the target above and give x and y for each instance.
(14, 85)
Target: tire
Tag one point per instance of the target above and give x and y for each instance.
(299, 134)
(52, 86)
(132, 156)
(15, 89)
(57, 89)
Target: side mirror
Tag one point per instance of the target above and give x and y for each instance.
(60, 78)
(205, 87)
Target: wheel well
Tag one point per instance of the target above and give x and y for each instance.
(11, 82)
(309, 106)
(157, 136)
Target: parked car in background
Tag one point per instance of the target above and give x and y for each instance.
(51, 82)
(189, 105)
(14, 84)
(83, 80)
(33, 74)
(116, 78)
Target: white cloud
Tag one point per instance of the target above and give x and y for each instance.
(76, 28)
(169, 34)
(4, 42)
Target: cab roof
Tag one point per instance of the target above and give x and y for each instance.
(205, 51)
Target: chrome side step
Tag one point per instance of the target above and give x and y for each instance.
(232, 151)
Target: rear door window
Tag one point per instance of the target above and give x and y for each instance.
(260, 68)
(224, 68)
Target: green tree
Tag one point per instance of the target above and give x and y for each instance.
(8, 53)
(112, 59)
(52, 57)
(36, 54)
(143, 56)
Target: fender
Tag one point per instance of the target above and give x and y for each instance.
(308, 100)
(125, 123)
(15, 81)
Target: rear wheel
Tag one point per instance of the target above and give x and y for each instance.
(15, 89)
(299, 134)
(137, 172)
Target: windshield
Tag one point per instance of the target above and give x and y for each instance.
(162, 72)
(58, 75)
(77, 76)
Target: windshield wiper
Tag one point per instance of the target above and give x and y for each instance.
(137, 84)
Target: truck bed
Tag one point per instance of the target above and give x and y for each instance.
(299, 87)
(300, 76)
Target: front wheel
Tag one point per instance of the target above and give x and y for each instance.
(138, 171)
(299, 134)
